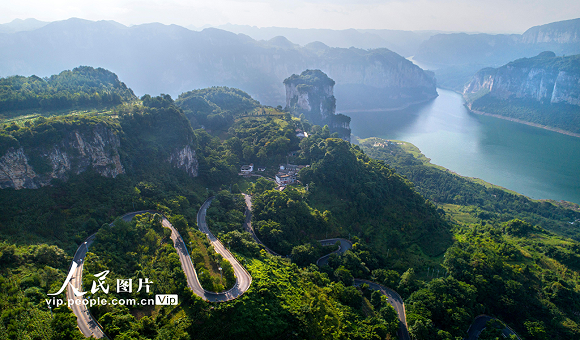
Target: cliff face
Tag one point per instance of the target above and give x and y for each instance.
(185, 159)
(35, 167)
(562, 32)
(545, 78)
(81, 149)
(311, 94)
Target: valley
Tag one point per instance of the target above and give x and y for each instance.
(241, 202)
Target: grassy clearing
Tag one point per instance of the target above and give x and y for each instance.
(458, 214)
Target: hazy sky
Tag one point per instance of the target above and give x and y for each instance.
(451, 15)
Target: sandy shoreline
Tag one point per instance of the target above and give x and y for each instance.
(545, 127)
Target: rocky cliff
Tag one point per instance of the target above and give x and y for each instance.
(32, 156)
(32, 167)
(311, 94)
(185, 159)
(545, 78)
(562, 32)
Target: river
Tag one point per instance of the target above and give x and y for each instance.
(538, 163)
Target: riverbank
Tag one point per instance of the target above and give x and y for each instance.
(545, 127)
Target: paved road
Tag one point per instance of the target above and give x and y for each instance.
(394, 299)
(85, 320)
(248, 225)
(343, 247)
(243, 278)
(479, 324)
(89, 326)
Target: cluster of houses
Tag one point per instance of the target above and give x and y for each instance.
(248, 169)
(287, 174)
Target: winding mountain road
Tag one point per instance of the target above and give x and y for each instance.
(392, 297)
(87, 324)
(479, 325)
(90, 328)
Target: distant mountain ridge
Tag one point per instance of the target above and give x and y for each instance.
(561, 32)
(156, 58)
(404, 43)
(456, 57)
(18, 25)
(561, 37)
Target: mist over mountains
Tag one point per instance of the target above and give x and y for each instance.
(156, 58)
(404, 43)
(457, 56)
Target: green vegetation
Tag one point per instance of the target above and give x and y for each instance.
(549, 60)
(367, 197)
(27, 274)
(497, 263)
(287, 301)
(215, 108)
(82, 87)
(143, 252)
(309, 78)
(558, 115)
(207, 263)
(452, 247)
(483, 202)
(563, 116)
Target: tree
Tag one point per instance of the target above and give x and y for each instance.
(64, 325)
(343, 275)
(303, 254)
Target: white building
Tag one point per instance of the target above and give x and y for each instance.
(246, 169)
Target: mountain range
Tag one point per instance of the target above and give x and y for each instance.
(456, 57)
(155, 58)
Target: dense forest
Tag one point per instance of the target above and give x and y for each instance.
(83, 87)
(560, 115)
(451, 247)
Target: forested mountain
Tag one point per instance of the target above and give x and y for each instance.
(498, 265)
(215, 108)
(83, 87)
(451, 250)
(542, 90)
(156, 58)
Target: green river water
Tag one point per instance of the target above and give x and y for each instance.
(538, 163)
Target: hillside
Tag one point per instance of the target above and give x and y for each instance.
(83, 87)
(444, 244)
(497, 264)
(541, 90)
(155, 58)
